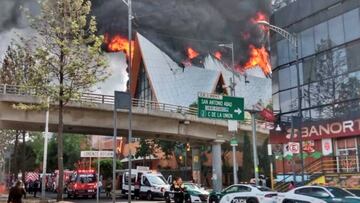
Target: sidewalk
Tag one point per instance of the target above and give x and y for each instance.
(4, 197)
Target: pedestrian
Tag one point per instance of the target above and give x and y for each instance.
(16, 193)
(178, 189)
(137, 189)
(291, 185)
(35, 187)
(108, 187)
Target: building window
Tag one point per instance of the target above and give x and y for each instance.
(285, 82)
(283, 52)
(285, 101)
(353, 59)
(307, 42)
(143, 90)
(352, 25)
(309, 70)
(336, 31)
(275, 81)
(321, 36)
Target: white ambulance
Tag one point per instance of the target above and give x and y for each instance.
(152, 184)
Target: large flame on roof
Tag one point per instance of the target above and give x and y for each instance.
(258, 57)
(118, 43)
(192, 53)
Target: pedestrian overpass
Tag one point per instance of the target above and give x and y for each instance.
(93, 114)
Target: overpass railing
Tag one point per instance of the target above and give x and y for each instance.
(109, 99)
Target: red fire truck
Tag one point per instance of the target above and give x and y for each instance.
(82, 183)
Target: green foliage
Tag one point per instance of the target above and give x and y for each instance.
(264, 159)
(106, 167)
(67, 53)
(68, 59)
(16, 65)
(28, 162)
(7, 138)
(248, 164)
(167, 147)
(73, 144)
(147, 147)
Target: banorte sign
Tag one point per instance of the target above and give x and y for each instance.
(318, 130)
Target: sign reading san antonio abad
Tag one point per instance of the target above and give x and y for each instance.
(220, 107)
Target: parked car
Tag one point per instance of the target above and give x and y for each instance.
(296, 198)
(244, 193)
(327, 194)
(193, 194)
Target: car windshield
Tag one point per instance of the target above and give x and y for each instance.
(86, 178)
(338, 192)
(263, 189)
(157, 180)
(191, 186)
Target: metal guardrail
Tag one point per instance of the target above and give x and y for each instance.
(109, 99)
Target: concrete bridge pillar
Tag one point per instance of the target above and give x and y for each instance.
(196, 165)
(217, 165)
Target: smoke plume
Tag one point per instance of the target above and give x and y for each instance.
(175, 25)
(13, 22)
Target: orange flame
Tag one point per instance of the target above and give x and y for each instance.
(218, 55)
(119, 43)
(192, 53)
(259, 57)
(260, 16)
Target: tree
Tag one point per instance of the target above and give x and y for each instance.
(146, 148)
(264, 159)
(16, 64)
(73, 144)
(106, 167)
(14, 69)
(248, 163)
(68, 58)
(167, 147)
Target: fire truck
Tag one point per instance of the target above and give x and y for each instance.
(82, 183)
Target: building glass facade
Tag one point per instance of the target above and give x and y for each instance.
(329, 67)
(328, 35)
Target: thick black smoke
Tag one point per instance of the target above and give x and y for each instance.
(175, 25)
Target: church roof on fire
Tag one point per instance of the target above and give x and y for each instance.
(173, 84)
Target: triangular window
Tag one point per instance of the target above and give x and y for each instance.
(143, 88)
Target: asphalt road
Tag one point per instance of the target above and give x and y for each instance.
(103, 199)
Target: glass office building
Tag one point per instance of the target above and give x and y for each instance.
(328, 33)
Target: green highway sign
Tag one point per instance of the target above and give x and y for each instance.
(233, 142)
(220, 107)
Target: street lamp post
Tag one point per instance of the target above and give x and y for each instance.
(43, 180)
(232, 91)
(294, 41)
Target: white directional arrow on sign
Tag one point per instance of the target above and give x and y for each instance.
(238, 111)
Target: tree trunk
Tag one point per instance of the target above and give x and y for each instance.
(60, 153)
(23, 166)
(60, 144)
(15, 168)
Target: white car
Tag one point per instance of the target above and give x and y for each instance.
(250, 194)
(291, 197)
(323, 194)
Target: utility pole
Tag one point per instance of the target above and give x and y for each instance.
(130, 81)
(232, 92)
(43, 180)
